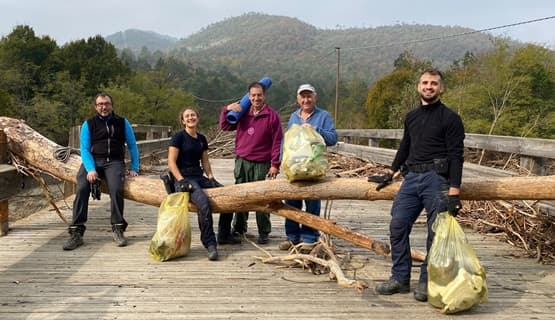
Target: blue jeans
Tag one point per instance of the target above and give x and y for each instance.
(295, 231)
(418, 191)
(199, 198)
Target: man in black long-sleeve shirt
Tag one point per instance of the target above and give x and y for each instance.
(432, 151)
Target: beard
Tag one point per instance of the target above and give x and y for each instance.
(429, 99)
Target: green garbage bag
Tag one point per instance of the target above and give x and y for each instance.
(456, 279)
(303, 154)
(173, 230)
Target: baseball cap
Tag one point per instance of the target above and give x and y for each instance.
(306, 87)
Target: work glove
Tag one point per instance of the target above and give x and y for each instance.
(95, 190)
(183, 186)
(383, 180)
(454, 205)
(215, 184)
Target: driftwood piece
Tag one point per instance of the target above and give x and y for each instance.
(335, 270)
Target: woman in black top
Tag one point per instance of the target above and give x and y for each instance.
(188, 162)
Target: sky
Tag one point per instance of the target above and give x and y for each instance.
(67, 20)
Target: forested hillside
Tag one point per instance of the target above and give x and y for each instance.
(292, 52)
(497, 85)
(283, 45)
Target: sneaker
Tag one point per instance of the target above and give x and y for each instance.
(119, 238)
(75, 240)
(228, 239)
(287, 244)
(421, 292)
(307, 247)
(212, 253)
(393, 286)
(263, 239)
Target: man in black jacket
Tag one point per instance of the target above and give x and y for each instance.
(103, 138)
(432, 151)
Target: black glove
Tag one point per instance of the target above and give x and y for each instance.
(454, 205)
(95, 190)
(215, 184)
(381, 179)
(183, 186)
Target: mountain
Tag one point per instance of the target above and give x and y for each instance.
(258, 43)
(135, 40)
(292, 52)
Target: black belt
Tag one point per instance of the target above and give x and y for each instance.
(191, 171)
(421, 168)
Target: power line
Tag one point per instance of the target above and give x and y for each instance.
(449, 36)
(215, 101)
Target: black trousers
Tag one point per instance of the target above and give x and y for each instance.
(199, 198)
(113, 173)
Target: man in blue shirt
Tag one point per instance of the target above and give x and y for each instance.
(309, 115)
(103, 138)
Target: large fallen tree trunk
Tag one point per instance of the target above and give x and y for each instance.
(38, 152)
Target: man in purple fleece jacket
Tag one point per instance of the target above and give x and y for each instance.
(257, 151)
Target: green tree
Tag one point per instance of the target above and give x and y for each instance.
(509, 91)
(351, 111)
(24, 66)
(94, 62)
(392, 96)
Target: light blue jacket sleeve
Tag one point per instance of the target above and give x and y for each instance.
(321, 121)
(327, 130)
(132, 146)
(85, 146)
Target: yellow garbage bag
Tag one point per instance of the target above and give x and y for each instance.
(456, 279)
(173, 231)
(303, 154)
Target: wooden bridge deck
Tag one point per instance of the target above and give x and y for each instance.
(39, 280)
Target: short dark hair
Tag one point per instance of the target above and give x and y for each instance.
(433, 72)
(104, 94)
(256, 84)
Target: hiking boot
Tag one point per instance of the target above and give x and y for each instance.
(393, 286)
(228, 239)
(119, 238)
(263, 239)
(421, 292)
(287, 244)
(212, 252)
(75, 239)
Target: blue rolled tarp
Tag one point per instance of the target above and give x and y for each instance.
(232, 117)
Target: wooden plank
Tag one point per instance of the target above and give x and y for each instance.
(38, 280)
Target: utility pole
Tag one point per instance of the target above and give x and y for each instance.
(337, 49)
